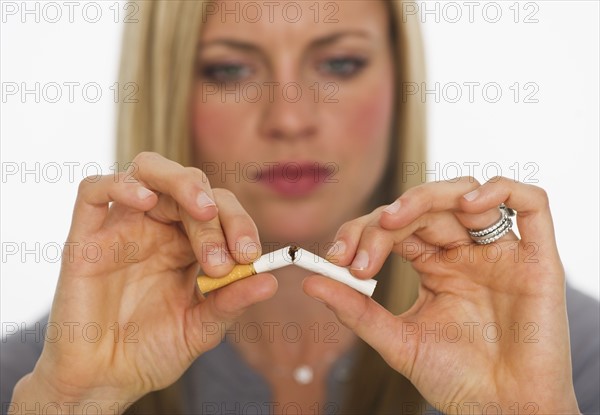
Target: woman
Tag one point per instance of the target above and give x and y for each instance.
(226, 101)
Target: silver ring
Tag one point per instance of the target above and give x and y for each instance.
(495, 231)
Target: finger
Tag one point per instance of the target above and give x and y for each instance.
(531, 203)
(187, 197)
(167, 210)
(476, 223)
(415, 249)
(241, 234)
(187, 186)
(433, 230)
(437, 197)
(374, 246)
(206, 237)
(239, 228)
(428, 198)
(363, 315)
(210, 247)
(441, 229)
(95, 193)
(346, 240)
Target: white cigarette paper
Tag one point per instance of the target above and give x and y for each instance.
(312, 262)
(273, 260)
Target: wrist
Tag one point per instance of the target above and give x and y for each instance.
(34, 394)
(568, 406)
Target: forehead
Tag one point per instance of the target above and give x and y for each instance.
(283, 22)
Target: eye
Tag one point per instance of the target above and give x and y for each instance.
(343, 67)
(226, 72)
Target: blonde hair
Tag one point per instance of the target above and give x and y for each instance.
(158, 54)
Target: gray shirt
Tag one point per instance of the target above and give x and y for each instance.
(220, 381)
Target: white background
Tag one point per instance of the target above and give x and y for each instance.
(553, 142)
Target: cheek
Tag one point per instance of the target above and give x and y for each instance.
(368, 123)
(365, 121)
(209, 128)
(373, 115)
(216, 130)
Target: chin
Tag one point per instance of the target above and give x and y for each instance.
(285, 234)
(301, 228)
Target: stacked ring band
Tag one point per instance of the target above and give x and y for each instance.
(497, 230)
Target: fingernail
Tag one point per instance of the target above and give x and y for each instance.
(337, 249)
(248, 248)
(143, 193)
(393, 208)
(361, 260)
(204, 201)
(472, 195)
(319, 300)
(216, 258)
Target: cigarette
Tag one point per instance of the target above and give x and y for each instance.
(318, 265)
(267, 262)
(282, 258)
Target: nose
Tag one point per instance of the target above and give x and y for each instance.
(290, 113)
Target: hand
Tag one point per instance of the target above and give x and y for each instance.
(489, 326)
(128, 282)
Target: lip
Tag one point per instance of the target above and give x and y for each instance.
(294, 179)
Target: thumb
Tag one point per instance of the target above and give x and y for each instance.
(365, 317)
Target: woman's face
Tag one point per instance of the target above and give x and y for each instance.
(292, 110)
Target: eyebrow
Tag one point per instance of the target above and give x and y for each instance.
(316, 43)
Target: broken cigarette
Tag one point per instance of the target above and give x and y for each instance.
(282, 258)
(266, 263)
(318, 265)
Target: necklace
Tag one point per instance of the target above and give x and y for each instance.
(303, 374)
(285, 362)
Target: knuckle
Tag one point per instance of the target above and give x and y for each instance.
(498, 179)
(146, 157)
(541, 195)
(469, 179)
(350, 227)
(83, 186)
(124, 177)
(86, 184)
(223, 193)
(417, 192)
(422, 196)
(208, 234)
(243, 224)
(195, 174)
(374, 233)
(361, 317)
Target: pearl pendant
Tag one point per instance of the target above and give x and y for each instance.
(303, 374)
